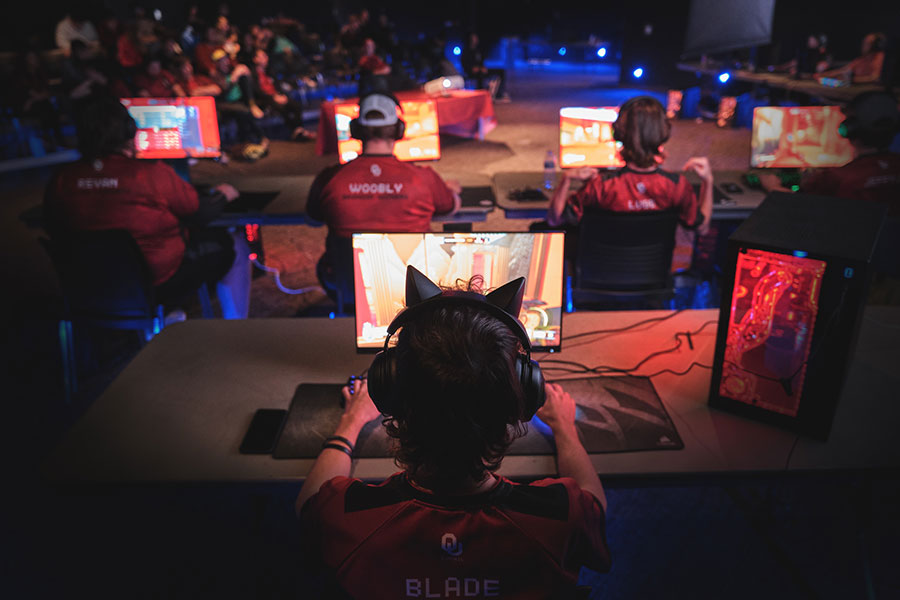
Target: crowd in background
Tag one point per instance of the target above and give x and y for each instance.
(253, 69)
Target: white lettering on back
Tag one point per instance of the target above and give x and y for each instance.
(97, 183)
(375, 188)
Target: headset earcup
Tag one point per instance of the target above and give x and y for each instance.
(401, 129)
(847, 129)
(355, 129)
(381, 378)
(532, 381)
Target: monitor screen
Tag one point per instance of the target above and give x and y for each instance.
(421, 140)
(175, 127)
(379, 273)
(586, 138)
(798, 136)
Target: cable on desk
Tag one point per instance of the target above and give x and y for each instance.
(626, 328)
(791, 453)
(277, 274)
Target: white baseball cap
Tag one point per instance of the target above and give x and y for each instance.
(379, 103)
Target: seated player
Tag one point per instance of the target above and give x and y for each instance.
(872, 122)
(454, 393)
(374, 192)
(472, 61)
(110, 189)
(641, 185)
(867, 67)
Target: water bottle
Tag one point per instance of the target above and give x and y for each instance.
(549, 170)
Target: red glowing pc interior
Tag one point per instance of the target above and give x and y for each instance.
(420, 140)
(379, 272)
(798, 137)
(586, 138)
(175, 127)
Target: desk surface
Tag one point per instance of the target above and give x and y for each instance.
(178, 412)
(740, 205)
(786, 82)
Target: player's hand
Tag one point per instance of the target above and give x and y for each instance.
(454, 186)
(584, 173)
(769, 181)
(358, 406)
(558, 411)
(227, 190)
(700, 166)
(280, 99)
(257, 112)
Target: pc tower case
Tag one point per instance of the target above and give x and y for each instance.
(795, 283)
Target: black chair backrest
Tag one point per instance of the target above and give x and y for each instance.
(103, 274)
(625, 251)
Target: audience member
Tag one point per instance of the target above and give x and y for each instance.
(641, 185)
(31, 96)
(109, 189)
(868, 66)
(452, 421)
(189, 84)
(237, 100)
(374, 192)
(154, 81)
(472, 60)
(269, 98)
(76, 26)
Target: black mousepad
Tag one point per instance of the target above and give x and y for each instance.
(250, 202)
(614, 414)
(477, 197)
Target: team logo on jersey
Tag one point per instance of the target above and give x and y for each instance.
(98, 165)
(641, 188)
(375, 169)
(451, 545)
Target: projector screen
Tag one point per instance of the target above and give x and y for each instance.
(721, 25)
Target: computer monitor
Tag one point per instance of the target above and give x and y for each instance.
(175, 127)
(379, 274)
(798, 137)
(586, 138)
(421, 140)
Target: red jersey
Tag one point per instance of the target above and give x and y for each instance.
(396, 540)
(872, 177)
(372, 63)
(147, 198)
(156, 87)
(377, 193)
(626, 190)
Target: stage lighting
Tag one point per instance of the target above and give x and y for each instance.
(562, 51)
(638, 73)
(457, 50)
(601, 51)
(724, 77)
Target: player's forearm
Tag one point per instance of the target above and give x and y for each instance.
(331, 462)
(706, 203)
(572, 461)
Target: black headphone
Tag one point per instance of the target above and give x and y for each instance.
(358, 130)
(421, 295)
(869, 111)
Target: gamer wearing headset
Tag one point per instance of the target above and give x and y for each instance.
(374, 192)
(110, 189)
(872, 122)
(641, 185)
(454, 393)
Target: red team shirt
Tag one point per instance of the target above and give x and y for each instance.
(146, 198)
(396, 540)
(872, 178)
(626, 190)
(377, 193)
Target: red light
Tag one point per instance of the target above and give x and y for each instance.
(770, 329)
(253, 256)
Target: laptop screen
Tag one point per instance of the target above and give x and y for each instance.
(421, 140)
(175, 127)
(379, 273)
(586, 138)
(798, 137)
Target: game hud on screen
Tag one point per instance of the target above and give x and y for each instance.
(773, 313)
(798, 137)
(175, 127)
(380, 261)
(421, 140)
(586, 138)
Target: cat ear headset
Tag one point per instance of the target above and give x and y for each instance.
(870, 112)
(385, 104)
(421, 294)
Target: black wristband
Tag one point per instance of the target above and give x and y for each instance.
(340, 447)
(340, 438)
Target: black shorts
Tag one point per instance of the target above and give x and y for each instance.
(207, 258)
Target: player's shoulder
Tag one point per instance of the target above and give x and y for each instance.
(546, 498)
(675, 178)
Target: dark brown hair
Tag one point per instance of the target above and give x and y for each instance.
(642, 127)
(459, 396)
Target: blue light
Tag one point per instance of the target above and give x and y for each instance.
(601, 51)
(638, 73)
(724, 77)
(457, 50)
(331, 315)
(800, 253)
(562, 51)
